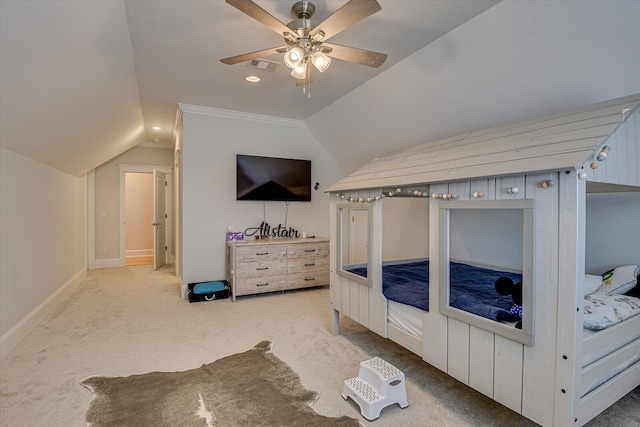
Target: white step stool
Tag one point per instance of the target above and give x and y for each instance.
(378, 385)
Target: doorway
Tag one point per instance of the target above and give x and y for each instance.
(160, 207)
(138, 219)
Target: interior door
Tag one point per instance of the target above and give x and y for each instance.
(160, 219)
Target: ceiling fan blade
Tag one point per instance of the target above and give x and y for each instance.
(260, 15)
(352, 12)
(353, 54)
(252, 55)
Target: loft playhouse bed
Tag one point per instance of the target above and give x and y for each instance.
(511, 201)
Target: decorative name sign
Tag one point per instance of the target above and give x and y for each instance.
(266, 231)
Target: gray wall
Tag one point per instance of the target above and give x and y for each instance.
(405, 228)
(613, 231)
(107, 228)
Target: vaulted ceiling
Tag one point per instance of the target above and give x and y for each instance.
(83, 81)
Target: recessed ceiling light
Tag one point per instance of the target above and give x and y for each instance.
(156, 128)
(252, 79)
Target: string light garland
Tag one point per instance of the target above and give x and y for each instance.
(383, 194)
(602, 155)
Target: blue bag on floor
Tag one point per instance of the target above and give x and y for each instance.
(208, 291)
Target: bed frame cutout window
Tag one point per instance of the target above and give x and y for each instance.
(494, 237)
(353, 242)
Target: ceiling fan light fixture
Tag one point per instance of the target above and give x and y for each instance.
(293, 57)
(321, 61)
(299, 72)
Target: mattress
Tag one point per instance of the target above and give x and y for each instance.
(406, 318)
(408, 283)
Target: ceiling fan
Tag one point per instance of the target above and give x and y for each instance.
(305, 40)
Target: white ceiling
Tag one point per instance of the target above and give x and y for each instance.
(83, 81)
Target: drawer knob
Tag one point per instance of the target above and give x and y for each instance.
(309, 250)
(262, 268)
(310, 280)
(310, 265)
(262, 284)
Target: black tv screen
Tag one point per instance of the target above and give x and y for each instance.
(273, 179)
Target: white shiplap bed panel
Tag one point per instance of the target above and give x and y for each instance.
(605, 396)
(621, 164)
(335, 297)
(486, 186)
(539, 359)
(378, 303)
(406, 340)
(633, 134)
(481, 373)
(571, 266)
(460, 189)
(507, 388)
(506, 182)
(434, 347)
(458, 354)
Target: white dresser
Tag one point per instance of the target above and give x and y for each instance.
(259, 266)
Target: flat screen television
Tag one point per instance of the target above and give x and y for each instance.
(273, 179)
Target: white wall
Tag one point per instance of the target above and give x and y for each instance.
(613, 231)
(405, 228)
(42, 250)
(517, 60)
(210, 144)
(492, 237)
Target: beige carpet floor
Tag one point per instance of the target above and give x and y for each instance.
(131, 320)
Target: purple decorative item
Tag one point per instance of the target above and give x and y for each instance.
(234, 236)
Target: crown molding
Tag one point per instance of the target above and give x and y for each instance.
(230, 114)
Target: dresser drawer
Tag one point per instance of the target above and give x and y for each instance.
(303, 265)
(313, 278)
(260, 252)
(311, 249)
(258, 285)
(260, 268)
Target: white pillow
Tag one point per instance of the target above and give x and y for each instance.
(619, 280)
(602, 311)
(591, 283)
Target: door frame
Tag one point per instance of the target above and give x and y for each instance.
(159, 219)
(122, 171)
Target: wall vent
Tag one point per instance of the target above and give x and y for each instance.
(263, 64)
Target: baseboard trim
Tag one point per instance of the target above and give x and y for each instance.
(138, 252)
(109, 263)
(15, 335)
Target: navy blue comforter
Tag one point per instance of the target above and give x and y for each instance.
(472, 288)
